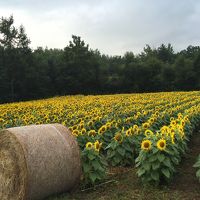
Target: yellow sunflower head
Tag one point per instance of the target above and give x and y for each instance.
(172, 130)
(151, 120)
(146, 145)
(145, 125)
(135, 127)
(161, 144)
(92, 133)
(83, 131)
(118, 137)
(127, 120)
(182, 134)
(119, 121)
(79, 120)
(89, 145)
(173, 123)
(81, 126)
(108, 125)
(74, 127)
(102, 129)
(186, 118)
(97, 145)
(180, 116)
(180, 128)
(172, 137)
(183, 122)
(75, 132)
(128, 132)
(90, 123)
(148, 133)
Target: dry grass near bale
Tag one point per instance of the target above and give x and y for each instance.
(13, 170)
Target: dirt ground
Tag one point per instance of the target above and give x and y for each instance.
(124, 184)
(185, 180)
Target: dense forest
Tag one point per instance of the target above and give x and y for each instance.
(32, 74)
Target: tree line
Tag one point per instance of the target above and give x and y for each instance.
(32, 74)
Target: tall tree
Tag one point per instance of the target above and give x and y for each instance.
(15, 56)
(79, 71)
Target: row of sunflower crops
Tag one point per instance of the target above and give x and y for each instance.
(149, 131)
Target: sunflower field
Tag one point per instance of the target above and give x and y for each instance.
(148, 131)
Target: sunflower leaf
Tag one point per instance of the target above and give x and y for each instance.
(166, 172)
(161, 157)
(155, 175)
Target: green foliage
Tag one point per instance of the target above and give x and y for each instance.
(121, 153)
(157, 166)
(197, 165)
(93, 166)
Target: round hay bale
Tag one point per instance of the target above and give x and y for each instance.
(37, 161)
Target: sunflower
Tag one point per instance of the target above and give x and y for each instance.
(128, 132)
(172, 137)
(70, 129)
(128, 120)
(172, 130)
(89, 145)
(165, 129)
(135, 127)
(180, 128)
(183, 122)
(118, 137)
(81, 126)
(146, 145)
(90, 123)
(119, 121)
(148, 133)
(75, 132)
(182, 134)
(92, 133)
(151, 120)
(132, 131)
(173, 123)
(186, 118)
(83, 131)
(180, 116)
(145, 125)
(161, 144)
(74, 127)
(102, 129)
(97, 145)
(138, 131)
(79, 120)
(108, 125)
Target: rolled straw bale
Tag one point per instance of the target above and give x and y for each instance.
(37, 161)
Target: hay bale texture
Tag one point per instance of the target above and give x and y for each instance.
(37, 161)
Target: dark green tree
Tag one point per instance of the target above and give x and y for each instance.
(184, 74)
(15, 57)
(79, 72)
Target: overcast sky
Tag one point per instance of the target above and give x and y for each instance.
(112, 26)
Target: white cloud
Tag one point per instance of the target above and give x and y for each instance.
(113, 26)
